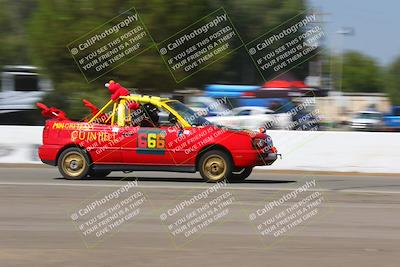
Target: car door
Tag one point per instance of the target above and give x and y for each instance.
(181, 148)
(146, 145)
(161, 145)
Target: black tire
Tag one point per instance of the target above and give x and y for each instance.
(73, 163)
(215, 166)
(241, 175)
(98, 173)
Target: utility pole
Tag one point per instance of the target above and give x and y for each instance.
(315, 66)
(344, 31)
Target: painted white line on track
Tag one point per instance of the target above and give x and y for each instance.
(203, 187)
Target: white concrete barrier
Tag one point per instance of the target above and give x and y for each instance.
(18, 144)
(313, 151)
(337, 151)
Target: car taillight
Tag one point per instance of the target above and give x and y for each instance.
(45, 133)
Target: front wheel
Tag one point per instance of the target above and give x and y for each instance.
(215, 166)
(241, 175)
(73, 163)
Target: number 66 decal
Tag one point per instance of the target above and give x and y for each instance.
(151, 142)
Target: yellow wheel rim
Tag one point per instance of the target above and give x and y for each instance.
(73, 164)
(214, 167)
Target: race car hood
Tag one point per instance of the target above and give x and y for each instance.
(252, 134)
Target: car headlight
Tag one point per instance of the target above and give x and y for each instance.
(259, 143)
(269, 141)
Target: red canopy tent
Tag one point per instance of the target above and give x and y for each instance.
(283, 84)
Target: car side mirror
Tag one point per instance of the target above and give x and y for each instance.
(173, 120)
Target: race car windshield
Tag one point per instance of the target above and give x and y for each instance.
(188, 114)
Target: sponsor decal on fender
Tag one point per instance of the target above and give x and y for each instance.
(92, 136)
(72, 126)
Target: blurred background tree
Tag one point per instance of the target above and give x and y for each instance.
(14, 16)
(392, 81)
(56, 23)
(252, 19)
(361, 73)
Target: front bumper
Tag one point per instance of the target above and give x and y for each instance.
(268, 158)
(251, 158)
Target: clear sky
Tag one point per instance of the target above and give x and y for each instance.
(376, 24)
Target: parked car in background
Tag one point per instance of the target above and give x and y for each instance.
(306, 119)
(368, 121)
(392, 121)
(253, 118)
(21, 88)
(209, 106)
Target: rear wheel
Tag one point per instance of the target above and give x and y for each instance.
(215, 166)
(98, 174)
(241, 175)
(73, 163)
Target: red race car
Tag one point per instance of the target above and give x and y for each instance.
(145, 133)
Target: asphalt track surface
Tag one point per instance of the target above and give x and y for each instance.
(358, 222)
